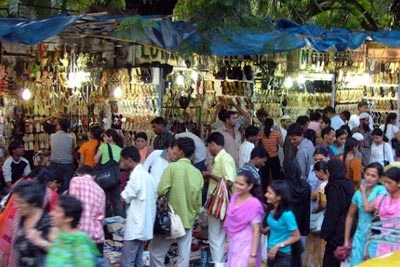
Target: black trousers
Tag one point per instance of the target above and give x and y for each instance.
(270, 172)
(329, 258)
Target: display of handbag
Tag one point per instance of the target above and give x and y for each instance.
(177, 228)
(107, 175)
(316, 220)
(217, 203)
(162, 224)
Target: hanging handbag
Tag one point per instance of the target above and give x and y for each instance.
(177, 228)
(107, 175)
(162, 224)
(217, 203)
(316, 220)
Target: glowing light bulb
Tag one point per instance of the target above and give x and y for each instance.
(26, 94)
(288, 83)
(118, 92)
(180, 80)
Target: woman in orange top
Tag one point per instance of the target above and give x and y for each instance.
(141, 145)
(352, 161)
(89, 149)
(270, 140)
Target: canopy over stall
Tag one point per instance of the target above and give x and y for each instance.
(285, 36)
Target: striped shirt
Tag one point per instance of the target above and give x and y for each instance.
(271, 144)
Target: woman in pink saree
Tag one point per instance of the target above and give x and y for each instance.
(243, 223)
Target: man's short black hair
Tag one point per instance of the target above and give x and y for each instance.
(217, 138)
(362, 104)
(229, 113)
(259, 152)
(326, 120)
(186, 144)
(72, 208)
(85, 169)
(222, 114)
(329, 109)
(262, 113)
(251, 131)
(14, 145)
(64, 124)
(346, 114)
(303, 120)
(295, 130)
(131, 152)
(326, 131)
(315, 116)
(159, 121)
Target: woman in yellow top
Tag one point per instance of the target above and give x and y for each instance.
(352, 161)
(88, 149)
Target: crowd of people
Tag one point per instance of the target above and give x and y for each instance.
(280, 175)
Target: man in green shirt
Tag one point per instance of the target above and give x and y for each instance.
(223, 167)
(181, 182)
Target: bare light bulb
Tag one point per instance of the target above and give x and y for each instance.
(26, 94)
(118, 92)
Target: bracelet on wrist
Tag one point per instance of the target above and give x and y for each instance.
(253, 256)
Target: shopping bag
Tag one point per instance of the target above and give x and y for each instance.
(177, 228)
(217, 203)
(107, 175)
(264, 247)
(162, 224)
(316, 220)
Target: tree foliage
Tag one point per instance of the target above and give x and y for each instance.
(371, 15)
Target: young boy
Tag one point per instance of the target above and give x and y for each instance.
(250, 137)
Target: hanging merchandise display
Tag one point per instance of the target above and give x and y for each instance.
(369, 73)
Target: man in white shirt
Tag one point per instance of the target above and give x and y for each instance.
(157, 161)
(250, 137)
(336, 121)
(200, 152)
(140, 196)
(354, 121)
(15, 166)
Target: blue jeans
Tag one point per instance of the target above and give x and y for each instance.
(281, 260)
(65, 171)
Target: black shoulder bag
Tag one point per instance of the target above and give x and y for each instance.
(107, 175)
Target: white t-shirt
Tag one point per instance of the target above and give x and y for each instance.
(155, 164)
(244, 152)
(377, 154)
(391, 131)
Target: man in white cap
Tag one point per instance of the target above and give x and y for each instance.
(354, 120)
(365, 144)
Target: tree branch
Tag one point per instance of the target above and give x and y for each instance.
(370, 23)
